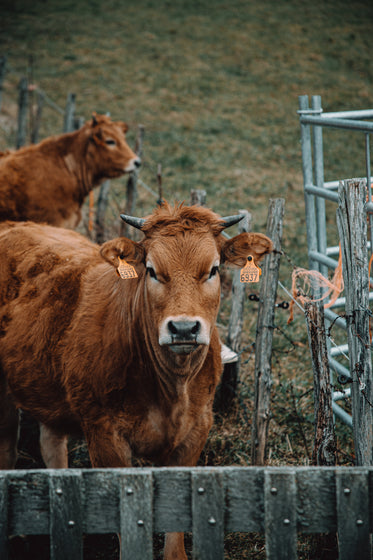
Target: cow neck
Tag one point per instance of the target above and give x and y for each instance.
(172, 372)
(76, 161)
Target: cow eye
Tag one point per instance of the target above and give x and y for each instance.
(110, 142)
(150, 270)
(214, 271)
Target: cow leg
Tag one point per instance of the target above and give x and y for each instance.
(174, 547)
(53, 448)
(106, 447)
(9, 431)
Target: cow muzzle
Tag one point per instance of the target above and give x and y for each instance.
(133, 164)
(183, 335)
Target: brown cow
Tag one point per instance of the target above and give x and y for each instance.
(48, 182)
(132, 363)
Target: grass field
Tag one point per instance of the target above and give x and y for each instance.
(216, 85)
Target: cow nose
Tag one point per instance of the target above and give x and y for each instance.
(137, 162)
(184, 330)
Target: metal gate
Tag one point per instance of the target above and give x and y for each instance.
(322, 257)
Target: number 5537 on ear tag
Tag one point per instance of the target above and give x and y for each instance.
(250, 272)
(126, 270)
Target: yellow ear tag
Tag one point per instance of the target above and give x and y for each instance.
(126, 270)
(250, 272)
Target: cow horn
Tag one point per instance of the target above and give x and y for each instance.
(132, 221)
(94, 120)
(231, 220)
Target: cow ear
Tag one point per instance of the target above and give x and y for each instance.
(236, 250)
(97, 137)
(126, 249)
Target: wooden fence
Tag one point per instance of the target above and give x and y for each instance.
(278, 501)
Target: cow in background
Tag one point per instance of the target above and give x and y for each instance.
(48, 182)
(119, 342)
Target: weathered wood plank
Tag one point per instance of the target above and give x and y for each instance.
(280, 514)
(208, 515)
(172, 500)
(66, 528)
(28, 495)
(316, 500)
(353, 514)
(244, 490)
(324, 438)
(314, 510)
(265, 327)
(3, 518)
(136, 516)
(101, 494)
(352, 228)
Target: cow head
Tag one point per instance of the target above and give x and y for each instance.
(108, 147)
(178, 265)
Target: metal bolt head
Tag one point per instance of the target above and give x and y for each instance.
(273, 490)
(140, 523)
(59, 491)
(359, 522)
(201, 490)
(71, 523)
(129, 491)
(212, 521)
(347, 491)
(286, 521)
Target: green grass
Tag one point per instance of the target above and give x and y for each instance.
(216, 86)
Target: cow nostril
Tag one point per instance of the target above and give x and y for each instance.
(172, 328)
(137, 162)
(186, 330)
(196, 328)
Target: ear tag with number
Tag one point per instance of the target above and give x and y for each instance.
(126, 270)
(250, 272)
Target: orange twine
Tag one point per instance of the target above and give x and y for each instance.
(91, 211)
(314, 278)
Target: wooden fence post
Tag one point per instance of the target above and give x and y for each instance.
(198, 196)
(37, 119)
(265, 326)
(68, 122)
(352, 227)
(22, 112)
(324, 441)
(324, 449)
(227, 389)
(102, 203)
(131, 192)
(3, 60)
(4, 519)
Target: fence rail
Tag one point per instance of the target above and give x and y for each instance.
(278, 501)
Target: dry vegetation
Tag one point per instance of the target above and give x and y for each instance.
(216, 86)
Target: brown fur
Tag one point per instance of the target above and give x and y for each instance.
(48, 182)
(80, 348)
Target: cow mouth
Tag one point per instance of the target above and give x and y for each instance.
(183, 347)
